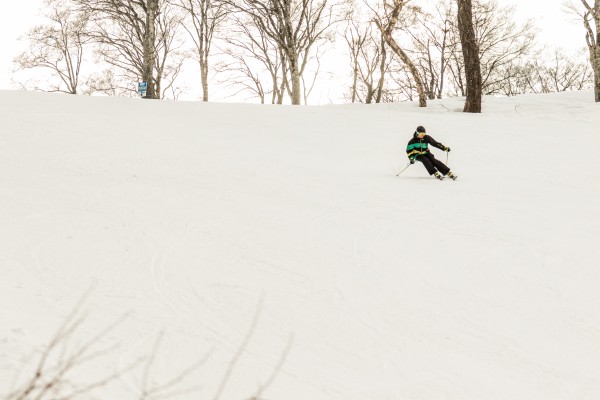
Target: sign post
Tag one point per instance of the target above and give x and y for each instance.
(142, 87)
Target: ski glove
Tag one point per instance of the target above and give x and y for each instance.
(446, 148)
(412, 160)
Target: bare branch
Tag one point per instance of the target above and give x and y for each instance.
(241, 349)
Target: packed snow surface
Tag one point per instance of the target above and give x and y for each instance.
(274, 248)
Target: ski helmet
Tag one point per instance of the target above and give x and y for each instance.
(421, 129)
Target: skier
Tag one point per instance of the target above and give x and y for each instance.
(418, 150)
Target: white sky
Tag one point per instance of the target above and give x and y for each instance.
(557, 27)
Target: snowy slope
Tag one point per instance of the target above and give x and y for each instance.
(196, 219)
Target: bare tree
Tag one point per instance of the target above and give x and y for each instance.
(369, 62)
(434, 42)
(356, 41)
(504, 47)
(590, 15)
(387, 25)
(242, 78)
(169, 56)
(125, 66)
(206, 17)
(295, 26)
(169, 72)
(129, 34)
(501, 41)
(150, 7)
(57, 46)
(470, 51)
(518, 78)
(307, 87)
(256, 63)
(404, 87)
(111, 82)
(558, 73)
(565, 72)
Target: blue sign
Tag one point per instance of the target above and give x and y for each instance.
(142, 86)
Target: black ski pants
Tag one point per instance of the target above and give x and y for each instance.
(432, 164)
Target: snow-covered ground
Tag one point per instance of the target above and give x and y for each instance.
(284, 231)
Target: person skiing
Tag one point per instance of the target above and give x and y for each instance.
(418, 150)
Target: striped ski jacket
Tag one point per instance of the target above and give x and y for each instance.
(419, 147)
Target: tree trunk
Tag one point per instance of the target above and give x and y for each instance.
(149, 48)
(369, 98)
(355, 81)
(387, 34)
(204, 76)
(411, 66)
(203, 44)
(203, 69)
(595, 56)
(471, 56)
(296, 84)
(593, 41)
(595, 61)
(595, 52)
(382, 69)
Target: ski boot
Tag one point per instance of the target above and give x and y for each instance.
(439, 176)
(452, 176)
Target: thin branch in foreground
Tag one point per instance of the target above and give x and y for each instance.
(51, 377)
(276, 370)
(241, 349)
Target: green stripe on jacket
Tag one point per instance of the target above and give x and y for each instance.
(416, 146)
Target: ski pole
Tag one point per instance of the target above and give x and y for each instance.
(403, 169)
(447, 154)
